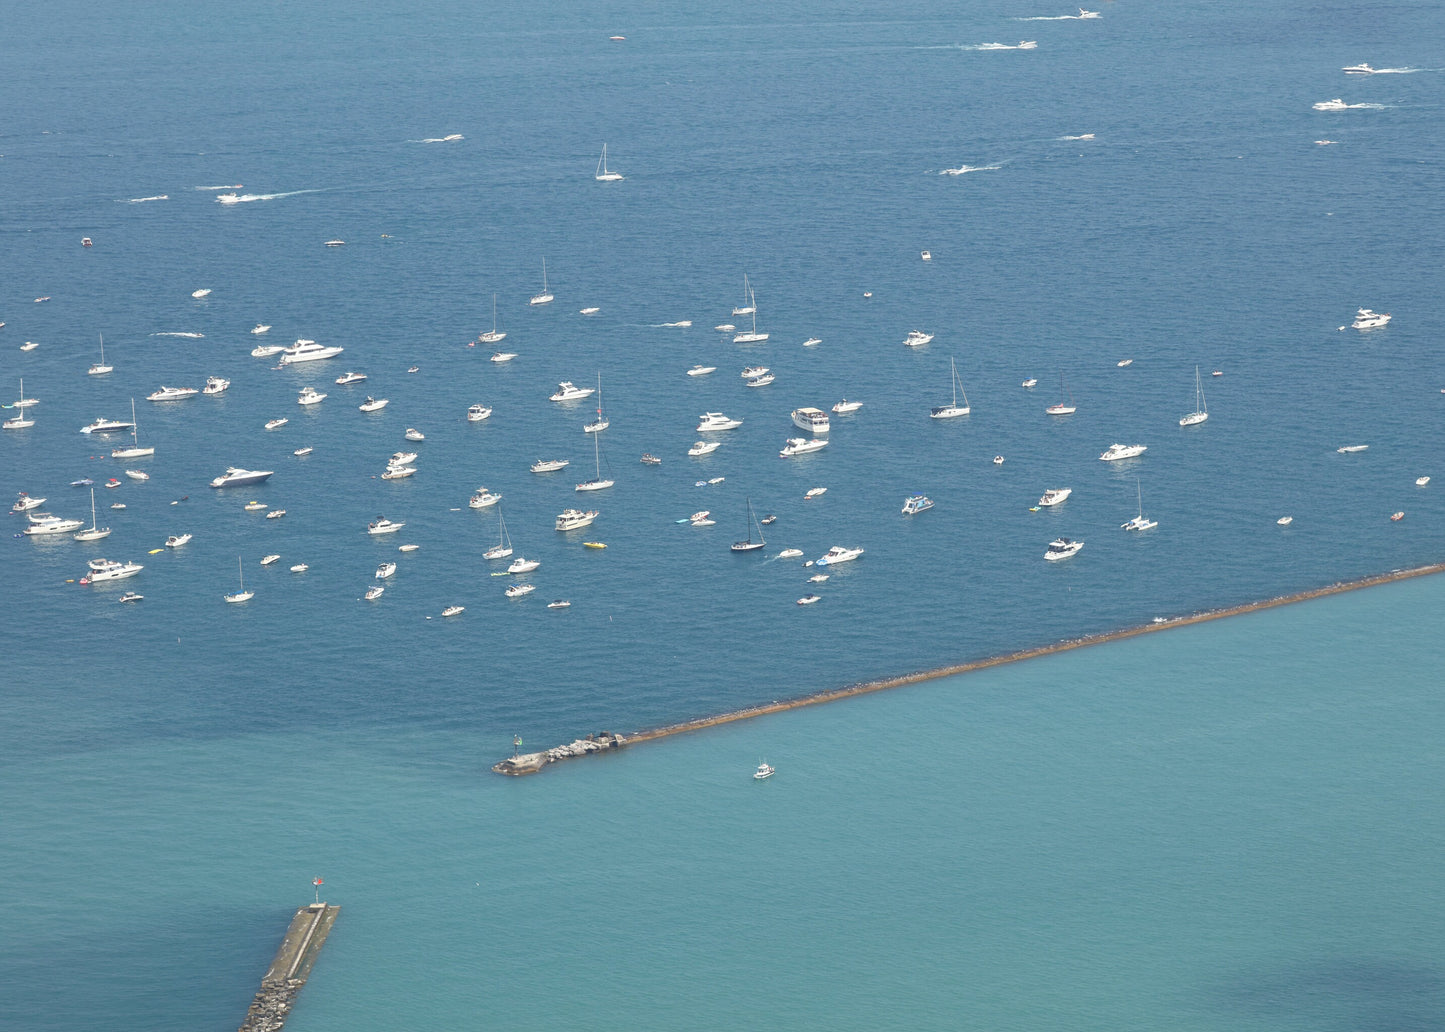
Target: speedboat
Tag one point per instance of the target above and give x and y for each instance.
(215, 385)
(300, 568)
(753, 372)
(407, 548)
(917, 338)
(504, 356)
(702, 519)
(568, 391)
(1055, 495)
(105, 570)
(260, 328)
(1368, 320)
(308, 351)
(1124, 362)
(268, 560)
(130, 596)
(814, 492)
(266, 350)
(726, 327)
(701, 370)
(82, 482)
(477, 413)
(711, 421)
(1351, 448)
(768, 520)
(374, 592)
(25, 503)
(483, 498)
(998, 460)
(575, 519)
(596, 545)
(137, 474)
(763, 771)
(801, 446)
(1062, 548)
(790, 553)
(1359, 69)
(1421, 481)
(651, 460)
(845, 406)
(383, 526)
(1030, 382)
(1123, 451)
(704, 447)
(413, 434)
(808, 600)
(813, 420)
(106, 426)
(310, 396)
(518, 590)
(372, 404)
(303, 452)
(761, 381)
(454, 610)
(237, 477)
(349, 378)
(275, 514)
(1285, 521)
(172, 394)
(916, 503)
(276, 424)
(559, 603)
(549, 465)
(838, 554)
(590, 310)
(401, 458)
(385, 570)
(812, 342)
(1331, 105)
(177, 540)
(818, 578)
(255, 507)
(203, 292)
(523, 565)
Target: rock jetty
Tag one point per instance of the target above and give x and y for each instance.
(290, 968)
(530, 763)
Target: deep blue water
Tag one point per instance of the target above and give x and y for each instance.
(1202, 226)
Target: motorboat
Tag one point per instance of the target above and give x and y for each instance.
(809, 599)
(255, 507)
(29, 345)
(575, 519)
(1139, 522)
(917, 338)
(137, 474)
(1331, 105)
(373, 404)
(801, 446)
(927, 256)
(701, 370)
(559, 603)
(266, 350)
(336, 243)
(477, 413)
(107, 426)
(814, 492)
(398, 472)
(1368, 320)
(753, 372)
(493, 335)
(373, 593)
(216, 385)
(504, 356)
(1124, 363)
(704, 448)
(1122, 451)
(603, 175)
(1359, 69)
(1285, 521)
(275, 514)
(349, 378)
(1030, 383)
(763, 771)
(838, 554)
(812, 420)
(952, 409)
(750, 545)
(717, 480)
(43, 524)
(726, 327)
(383, 526)
(270, 560)
(818, 578)
(595, 545)
(25, 503)
(300, 568)
(82, 482)
(100, 368)
(760, 381)
(407, 548)
(454, 610)
(812, 342)
(203, 292)
(916, 503)
(523, 565)
(544, 298)
(131, 596)
(568, 391)
(549, 465)
(790, 553)
(177, 540)
(484, 499)
(276, 424)
(110, 571)
(711, 421)
(591, 310)
(518, 590)
(237, 477)
(1201, 410)
(845, 406)
(702, 518)
(261, 328)
(1062, 548)
(768, 520)
(303, 452)
(413, 434)
(1055, 495)
(172, 394)
(385, 570)
(1397, 517)
(649, 459)
(1421, 481)
(401, 458)
(310, 396)
(308, 351)
(998, 460)
(1350, 449)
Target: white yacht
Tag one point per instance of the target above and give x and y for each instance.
(1359, 69)
(401, 458)
(801, 446)
(522, 564)
(1368, 320)
(216, 385)
(308, 351)
(255, 506)
(25, 503)
(591, 310)
(917, 338)
(603, 175)
(477, 413)
(483, 499)
(845, 406)
(575, 519)
(237, 477)
(916, 503)
(493, 335)
(398, 472)
(753, 372)
(267, 350)
(100, 368)
(131, 596)
(1062, 548)
(518, 590)
(1201, 410)
(18, 422)
(383, 526)
(310, 396)
(953, 409)
(701, 370)
(385, 570)
(177, 540)
(1063, 408)
(107, 426)
(102, 570)
(544, 298)
(276, 424)
(1055, 495)
(808, 600)
(1285, 521)
(568, 391)
(349, 378)
(39, 524)
(838, 554)
(504, 356)
(750, 545)
(712, 421)
(172, 394)
(812, 420)
(704, 448)
(1122, 451)
(372, 404)
(261, 328)
(760, 381)
(726, 327)
(549, 465)
(601, 422)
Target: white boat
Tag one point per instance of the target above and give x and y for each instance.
(398, 472)
(818, 578)
(953, 409)
(1055, 495)
(748, 306)
(216, 385)
(809, 599)
(172, 394)
(601, 422)
(484, 499)
(1352, 448)
(1063, 408)
(1116, 452)
(401, 458)
(751, 336)
(549, 465)
(1368, 320)
(310, 396)
(177, 540)
(107, 426)
(754, 372)
(275, 514)
(544, 298)
(701, 518)
(25, 502)
(559, 603)
(648, 459)
(522, 564)
(760, 381)
(493, 335)
(477, 413)
(750, 545)
(998, 460)
(95, 533)
(41, 524)
(1124, 363)
(308, 351)
(29, 345)
(726, 327)
(137, 474)
(927, 256)
(1359, 69)
(454, 610)
(598, 482)
(237, 477)
(845, 406)
(790, 553)
(801, 446)
(261, 328)
(413, 434)
(814, 492)
(588, 311)
(276, 424)
(1285, 521)
(504, 356)
(714, 421)
(385, 570)
(704, 448)
(1030, 383)
(100, 368)
(575, 519)
(1201, 410)
(568, 391)
(336, 243)
(242, 595)
(1419, 481)
(916, 503)
(917, 338)
(1336, 104)
(255, 507)
(102, 570)
(349, 378)
(407, 548)
(18, 422)
(372, 404)
(701, 370)
(300, 568)
(383, 526)
(813, 420)
(269, 560)
(131, 596)
(267, 350)
(373, 593)
(1139, 522)
(1062, 548)
(303, 452)
(812, 342)
(603, 175)
(518, 590)
(838, 554)
(503, 547)
(763, 771)
(203, 292)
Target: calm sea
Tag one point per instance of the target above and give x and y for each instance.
(1221, 827)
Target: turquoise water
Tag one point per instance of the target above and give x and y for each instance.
(1227, 826)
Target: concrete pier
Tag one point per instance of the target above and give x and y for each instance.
(290, 968)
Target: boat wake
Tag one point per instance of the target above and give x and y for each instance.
(681, 324)
(1028, 44)
(1339, 105)
(969, 168)
(233, 186)
(1081, 16)
(453, 138)
(1082, 136)
(234, 198)
(193, 336)
(1396, 71)
(142, 200)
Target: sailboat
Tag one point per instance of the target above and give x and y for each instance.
(504, 541)
(1062, 409)
(604, 176)
(100, 369)
(544, 298)
(598, 483)
(93, 533)
(954, 409)
(243, 595)
(1139, 522)
(19, 422)
(1201, 410)
(493, 335)
(750, 545)
(601, 423)
(750, 305)
(135, 451)
(750, 336)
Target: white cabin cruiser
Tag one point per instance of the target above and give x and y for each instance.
(845, 406)
(310, 396)
(549, 465)
(1055, 495)
(372, 404)
(349, 378)
(801, 446)
(1122, 451)
(568, 391)
(107, 426)
(1368, 320)
(711, 421)
(172, 394)
(701, 370)
(267, 350)
(383, 526)
(216, 385)
(1062, 548)
(838, 554)
(917, 338)
(237, 477)
(813, 420)
(477, 413)
(575, 519)
(483, 498)
(308, 351)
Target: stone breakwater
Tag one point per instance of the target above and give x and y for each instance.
(530, 763)
(290, 968)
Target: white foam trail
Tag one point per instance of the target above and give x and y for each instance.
(1064, 17)
(1084, 136)
(969, 168)
(233, 186)
(195, 336)
(142, 200)
(231, 198)
(453, 138)
(683, 324)
(1395, 71)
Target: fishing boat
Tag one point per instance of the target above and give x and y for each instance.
(750, 545)
(952, 409)
(1201, 410)
(603, 175)
(242, 595)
